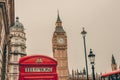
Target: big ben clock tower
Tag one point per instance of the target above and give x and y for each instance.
(59, 45)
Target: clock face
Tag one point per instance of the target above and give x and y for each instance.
(60, 40)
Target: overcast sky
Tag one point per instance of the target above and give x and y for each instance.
(101, 19)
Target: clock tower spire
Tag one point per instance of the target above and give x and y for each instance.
(113, 63)
(58, 17)
(59, 45)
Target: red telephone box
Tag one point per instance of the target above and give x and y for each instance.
(37, 67)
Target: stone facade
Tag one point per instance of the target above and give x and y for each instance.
(17, 49)
(6, 20)
(81, 75)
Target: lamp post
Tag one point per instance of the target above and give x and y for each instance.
(84, 35)
(92, 61)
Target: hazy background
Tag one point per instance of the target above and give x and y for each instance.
(101, 19)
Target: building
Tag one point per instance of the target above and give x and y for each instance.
(76, 75)
(81, 75)
(113, 63)
(17, 48)
(6, 20)
(59, 45)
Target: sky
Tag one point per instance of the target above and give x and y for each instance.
(100, 18)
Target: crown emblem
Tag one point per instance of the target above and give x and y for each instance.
(39, 60)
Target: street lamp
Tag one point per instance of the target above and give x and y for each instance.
(84, 35)
(91, 57)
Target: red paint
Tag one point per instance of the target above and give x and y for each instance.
(111, 73)
(37, 67)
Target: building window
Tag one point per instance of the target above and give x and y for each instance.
(15, 69)
(22, 49)
(14, 78)
(16, 49)
(62, 73)
(61, 63)
(15, 58)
